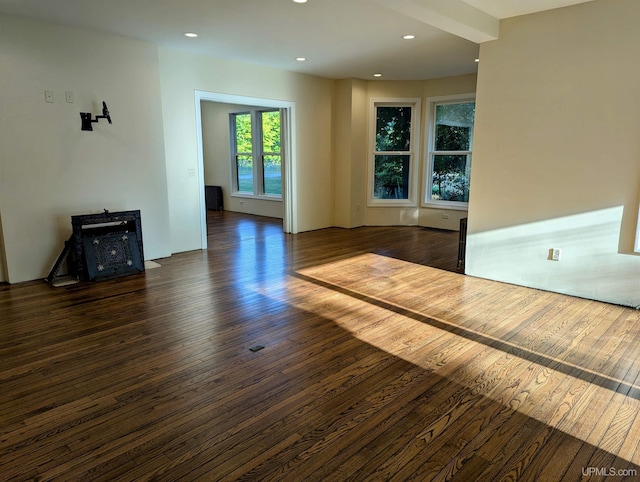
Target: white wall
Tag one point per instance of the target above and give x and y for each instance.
(50, 169)
(216, 147)
(182, 73)
(557, 152)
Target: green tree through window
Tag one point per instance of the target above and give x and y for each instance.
(271, 153)
(244, 153)
(257, 156)
(392, 157)
(450, 157)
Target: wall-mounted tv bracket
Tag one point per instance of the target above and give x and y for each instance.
(87, 120)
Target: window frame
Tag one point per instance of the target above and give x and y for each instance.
(430, 152)
(257, 155)
(413, 152)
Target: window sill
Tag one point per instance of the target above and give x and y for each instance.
(263, 197)
(389, 203)
(451, 205)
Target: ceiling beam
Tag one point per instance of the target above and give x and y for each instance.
(453, 16)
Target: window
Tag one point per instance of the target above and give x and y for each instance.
(449, 156)
(243, 152)
(256, 153)
(392, 180)
(271, 153)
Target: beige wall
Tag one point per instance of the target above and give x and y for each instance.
(359, 149)
(3, 273)
(217, 160)
(182, 73)
(557, 152)
(147, 159)
(351, 151)
(342, 161)
(50, 169)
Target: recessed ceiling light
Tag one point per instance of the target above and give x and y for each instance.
(408, 37)
(377, 75)
(191, 35)
(301, 59)
(477, 60)
(299, 1)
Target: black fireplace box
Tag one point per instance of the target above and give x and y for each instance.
(111, 255)
(107, 245)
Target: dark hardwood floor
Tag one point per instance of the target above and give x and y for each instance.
(379, 363)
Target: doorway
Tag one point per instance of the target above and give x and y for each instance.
(289, 195)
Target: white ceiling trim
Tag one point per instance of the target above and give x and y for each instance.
(513, 8)
(452, 16)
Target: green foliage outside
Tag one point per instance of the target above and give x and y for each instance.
(243, 134)
(245, 173)
(391, 179)
(271, 145)
(450, 178)
(391, 172)
(454, 132)
(271, 131)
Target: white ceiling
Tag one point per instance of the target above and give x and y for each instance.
(339, 38)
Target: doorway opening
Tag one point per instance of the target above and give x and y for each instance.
(289, 194)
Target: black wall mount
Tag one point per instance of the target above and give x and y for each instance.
(87, 120)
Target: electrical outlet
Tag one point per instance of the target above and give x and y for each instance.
(554, 254)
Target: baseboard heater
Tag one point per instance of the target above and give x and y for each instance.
(462, 244)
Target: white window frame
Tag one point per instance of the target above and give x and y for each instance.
(416, 111)
(432, 102)
(257, 154)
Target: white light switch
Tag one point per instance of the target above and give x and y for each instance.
(69, 97)
(48, 96)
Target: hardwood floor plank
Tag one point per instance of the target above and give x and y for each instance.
(380, 362)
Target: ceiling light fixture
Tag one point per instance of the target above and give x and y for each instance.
(301, 59)
(190, 34)
(377, 75)
(477, 60)
(299, 1)
(408, 37)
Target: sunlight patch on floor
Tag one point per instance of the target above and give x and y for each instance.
(455, 327)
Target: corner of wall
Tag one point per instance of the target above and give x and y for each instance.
(3, 259)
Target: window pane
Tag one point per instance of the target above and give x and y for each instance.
(271, 131)
(272, 174)
(245, 173)
(393, 129)
(391, 179)
(451, 178)
(243, 133)
(454, 126)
